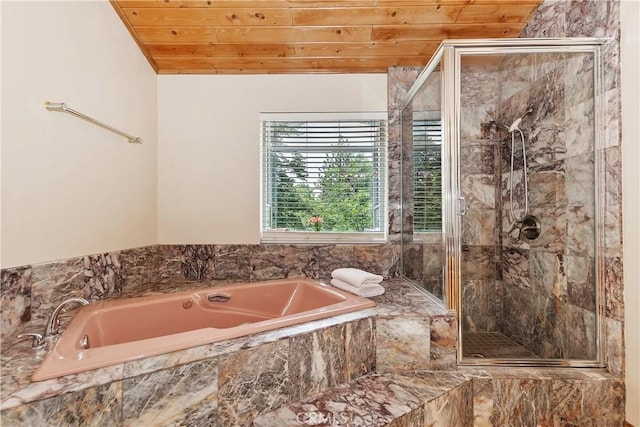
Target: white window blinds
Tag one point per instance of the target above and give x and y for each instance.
(323, 177)
(427, 175)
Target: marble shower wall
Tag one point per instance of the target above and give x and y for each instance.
(596, 19)
(553, 276)
(560, 151)
(482, 295)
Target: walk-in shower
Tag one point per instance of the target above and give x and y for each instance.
(517, 127)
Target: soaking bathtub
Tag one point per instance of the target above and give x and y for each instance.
(114, 331)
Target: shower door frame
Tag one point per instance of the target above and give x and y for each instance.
(450, 54)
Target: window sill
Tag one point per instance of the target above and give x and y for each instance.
(322, 237)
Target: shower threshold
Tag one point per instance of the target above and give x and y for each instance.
(493, 345)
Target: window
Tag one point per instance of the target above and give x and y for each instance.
(427, 173)
(323, 177)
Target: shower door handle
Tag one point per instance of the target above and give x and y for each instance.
(462, 206)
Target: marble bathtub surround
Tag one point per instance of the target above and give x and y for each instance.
(382, 400)
(228, 383)
(30, 293)
(467, 397)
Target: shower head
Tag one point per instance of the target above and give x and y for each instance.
(516, 124)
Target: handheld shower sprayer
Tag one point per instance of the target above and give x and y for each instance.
(516, 124)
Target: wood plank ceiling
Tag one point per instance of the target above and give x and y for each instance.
(305, 36)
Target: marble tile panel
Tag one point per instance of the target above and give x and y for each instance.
(331, 257)
(517, 71)
(18, 389)
(482, 305)
(99, 406)
(443, 336)
(15, 299)
(478, 158)
(299, 261)
(614, 346)
(547, 188)
(103, 276)
(317, 361)
(578, 26)
(428, 385)
(415, 418)
(403, 344)
(412, 260)
(268, 262)
(548, 20)
(587, 403)
(478, 227)
(402, 299)
(531, 327)
(581, 285)
(547, 274)
(455, 408)
(612, 115)
(579, 182)
(581, 236)
(378, 259)
(139, 265)
(579, 129)
(515, 268)
(253, 381)
(482, 402)
(433, 259)
(184, 395)
(478, 191)
(232, 262)
(554, 226)
(198, 261)
(169, 261)
(578, 79)
(574, 333)
(372, 400)
(360, 348)
(519, 402)
(613, 291)
(612, 202)
(53, 283)
(478, 262)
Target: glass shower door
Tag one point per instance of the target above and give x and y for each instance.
(526, 172)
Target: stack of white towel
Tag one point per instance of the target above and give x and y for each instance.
(357, 281)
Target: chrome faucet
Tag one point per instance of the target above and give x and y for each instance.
(53, 324)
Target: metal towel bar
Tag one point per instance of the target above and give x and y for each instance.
(62, 108)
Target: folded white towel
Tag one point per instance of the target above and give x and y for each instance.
(356, 277)
(366, 291)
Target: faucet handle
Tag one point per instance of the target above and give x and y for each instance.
(38, 339)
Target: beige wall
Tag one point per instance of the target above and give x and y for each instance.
(630, 58)
(209, 145)
(70, 188)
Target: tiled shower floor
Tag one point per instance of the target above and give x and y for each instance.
(493, 345)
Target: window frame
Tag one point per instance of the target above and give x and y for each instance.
(430, 235)
(326, 237)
